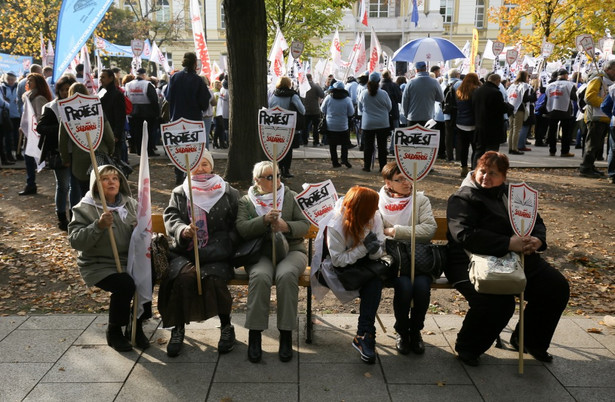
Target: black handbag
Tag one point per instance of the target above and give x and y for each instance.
(54, 160)
(248, 253)
(430, 259)
(355, 276)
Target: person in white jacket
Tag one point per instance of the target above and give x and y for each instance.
(395, 206)
(352, 234)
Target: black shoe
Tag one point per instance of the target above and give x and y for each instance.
(116, 339)
(141, 340)
(416, 343)
(285, 351)
(589, 173)
(512, 152)
(6, 162)
(540, 144)
(227, 339)
(255, 351)
(366, 169)
(351, 146)
(366, 345)
(347, 164)
(540, 355)
(597, 171)
(402, 344)
(9, 157)
(177, 341)
(336, 165)
(29, 190)
(468, 359)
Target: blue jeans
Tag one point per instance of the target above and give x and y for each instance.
(67, 188)
(523, 136)
(30, 171)
(611, 156)
(411, 320)
(370, 295)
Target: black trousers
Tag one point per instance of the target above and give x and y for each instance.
(546, 293)
(136, 133)
(338, 138)
(381, 135)
(311, 121)
(122, 289)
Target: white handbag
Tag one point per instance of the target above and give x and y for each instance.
(497, 275)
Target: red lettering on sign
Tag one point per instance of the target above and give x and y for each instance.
(417, 156)
(275, 139)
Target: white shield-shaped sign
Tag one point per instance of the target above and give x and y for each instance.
(511, 56)
(184, 137)
(296, 48)
(585, 43)
(547, 49)
(522, 208)
(497, 47)
(137, 46)
(317, 200)
(82, 115)
(416, 146)
(276, 128)
(607, 47)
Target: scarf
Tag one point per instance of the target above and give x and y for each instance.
(263, 203)
(118, 206)
(396, 211)
(207, 189)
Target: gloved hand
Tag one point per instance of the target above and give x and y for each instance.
(371, 243)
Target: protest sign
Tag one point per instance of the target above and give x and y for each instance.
(296, 48)
(137, 46)
(497, 48)
(82, 116)
(511, 56)
(416, 149)
(547, 49)
(184, 142)
(317, 200)
(522, 208)
(276, 128)
(585, 42)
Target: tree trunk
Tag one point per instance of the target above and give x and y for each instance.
(246, 35)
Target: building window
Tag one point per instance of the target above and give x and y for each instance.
(163, 11)
(446, 10)
(222, 23)
(379, 8)
(479, 15)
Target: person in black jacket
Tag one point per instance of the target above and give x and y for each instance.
(478, 222)
(114, 107)
(392, 89)
(489, 108)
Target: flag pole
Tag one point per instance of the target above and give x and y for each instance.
(116, 255)
(197, 263)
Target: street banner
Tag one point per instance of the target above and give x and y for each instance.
(76, 22)
(16, 64)
(104, 48)
(184, 142)
(82, 116)
(474, 51)
(416, 149)
(276, 129)
(200, 45)
(511, 56)
(497, 48)
(317, 200)
(522, 208)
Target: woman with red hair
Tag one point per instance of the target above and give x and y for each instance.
(350, 236)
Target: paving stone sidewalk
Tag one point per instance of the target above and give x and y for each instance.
(65, 358)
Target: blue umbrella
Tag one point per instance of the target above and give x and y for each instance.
(428, 50)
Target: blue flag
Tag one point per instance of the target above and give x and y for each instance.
(415, 13)
(77, 21)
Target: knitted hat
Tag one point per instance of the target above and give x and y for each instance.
(374, 77)
(210, 159)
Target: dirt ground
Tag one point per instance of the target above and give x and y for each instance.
(38, 273)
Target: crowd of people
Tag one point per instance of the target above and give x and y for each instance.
(471, 113)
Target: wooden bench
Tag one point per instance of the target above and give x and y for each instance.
(241, 276)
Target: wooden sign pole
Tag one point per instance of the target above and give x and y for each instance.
(197, 263)
(521, 314)
(274, 183)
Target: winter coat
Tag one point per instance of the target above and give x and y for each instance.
(114, 107)
(478, 221)
(95, 259)
(375, 110)
(337, 107)
(188, 95)
(392, 89)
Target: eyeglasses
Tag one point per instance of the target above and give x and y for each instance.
(401, 180)
(269, 178)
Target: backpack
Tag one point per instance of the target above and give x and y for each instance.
(449, 106)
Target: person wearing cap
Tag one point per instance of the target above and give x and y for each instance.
(420, 96)
(142, 95)
(215, 211)
(559, 97)
(375, 105)
(337, 109)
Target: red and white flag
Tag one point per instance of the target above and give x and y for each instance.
(200, 45)
(276, 56)
(158, 57)
(139, 250)
(336, 50)
(358, 54)
(28, 125)
(88, 78)
(43, 51)
(374, 53)
(363, 11)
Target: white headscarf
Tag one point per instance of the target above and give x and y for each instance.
(263, 203)
(396, 211)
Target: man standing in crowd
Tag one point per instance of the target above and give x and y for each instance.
(145, 107)
(312, 100)
(597, 121)
(11, 130)
(188, 97)
(489, 109)
(114, 108)
(560, 95)
(420, 96)
(450, 113)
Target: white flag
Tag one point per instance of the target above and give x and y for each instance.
(358, 55)
(374, 53)
(158, 57)
(200, 46)
(28, 127)
(139, 250)
(88, 78)
(276, 56)
(336, 50)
